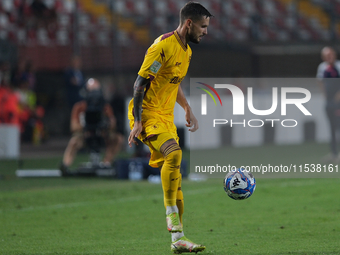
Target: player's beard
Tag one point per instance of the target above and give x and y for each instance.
(193, 39)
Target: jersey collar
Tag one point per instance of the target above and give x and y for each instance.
(180, 41)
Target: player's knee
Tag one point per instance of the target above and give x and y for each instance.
(173, 155)
(76, 143)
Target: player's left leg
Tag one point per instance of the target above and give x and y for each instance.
(170, 176)
(171, 156)
(75, 143)
(180, 243)
(180, 205)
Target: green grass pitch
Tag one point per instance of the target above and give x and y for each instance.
(103, 216)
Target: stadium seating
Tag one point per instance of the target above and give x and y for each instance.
(136, 23)
(133, 19)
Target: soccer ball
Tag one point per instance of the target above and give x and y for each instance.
(239, 184)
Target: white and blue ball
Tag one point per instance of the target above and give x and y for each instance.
(239, 184)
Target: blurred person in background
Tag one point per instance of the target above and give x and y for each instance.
(74, 81)
(117, 103)
(328, 73)
(24, 70)
(93, 105)
(43, 16)
(9, 106)
(5, 73)
(18, 72)
(29, 74)
(30, 114)
(9, 103)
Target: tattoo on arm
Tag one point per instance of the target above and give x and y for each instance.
(138, 96)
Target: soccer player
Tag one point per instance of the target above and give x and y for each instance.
(156, 90)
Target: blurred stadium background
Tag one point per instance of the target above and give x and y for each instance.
(250, 38)
(246, 38)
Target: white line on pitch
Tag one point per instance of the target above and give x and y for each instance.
(120, 200)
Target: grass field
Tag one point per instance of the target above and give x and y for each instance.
(104, 216)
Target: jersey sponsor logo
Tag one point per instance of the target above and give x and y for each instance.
(178, 63)
(176, 80)
(155, 67)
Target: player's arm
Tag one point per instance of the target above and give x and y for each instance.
(189, 116)
(138, 95)
(155, 57)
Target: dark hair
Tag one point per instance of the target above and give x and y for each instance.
(193, 11)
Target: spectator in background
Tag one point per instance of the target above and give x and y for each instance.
(328, 55)
(5, 73)
(19, 106)
(24, 71)
(30, 115)
(118, 107)
(74, 81)
(29, 75)
(22, 10)
(9, 110)
(327, 73)
(43, 16)
(18, 72)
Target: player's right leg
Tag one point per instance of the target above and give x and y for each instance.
(180, 199)
(75, 143)
(180, 243)
(173, 195)
(170, 176)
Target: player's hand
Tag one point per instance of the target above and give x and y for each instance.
(192, 122)
(137, 129)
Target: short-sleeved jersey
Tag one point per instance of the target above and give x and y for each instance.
(166, 63)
